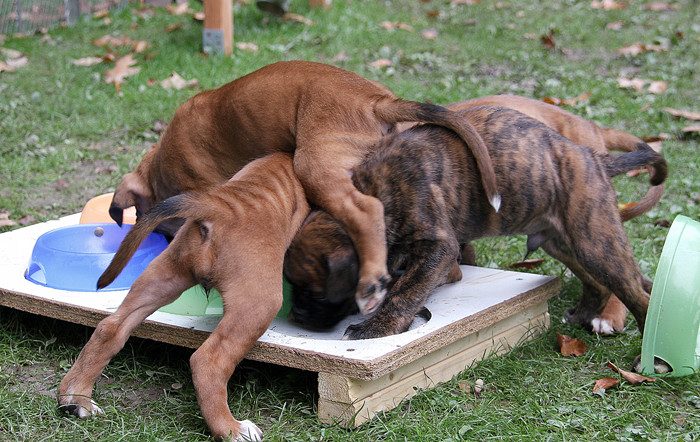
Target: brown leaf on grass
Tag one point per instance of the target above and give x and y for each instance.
(614, 26)
(690, 129)
(60, 184)
(464, 2)
(180, 9)
(690, 115)
(635, 83)
(340, 56)
(297, 18)
(569, 101)
(26, 220)
(175, 81)
(659, 6)
(381, 63)
(389, 25)
(102, 13)
(639, 48)
(608, 5)
(630, 377)
(527, 263)
(657, 87)
(429, 34)
(570, 346)
(122, 69)
(5, 68)
(601, 385)
(109, 40)
(548, 40)
(139, 46)
(5, 220)
(173, 27)
(87, 61)
(246, 46)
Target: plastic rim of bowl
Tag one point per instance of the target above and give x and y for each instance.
(195, 302)
(73, 257)
(672, 331)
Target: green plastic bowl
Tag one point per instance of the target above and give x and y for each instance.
(195, 302)
(672, 331)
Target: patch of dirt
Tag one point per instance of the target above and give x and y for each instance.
(38, 378)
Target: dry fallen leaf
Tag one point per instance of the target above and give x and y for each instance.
(614, 26)
(5, 220)
(429, 34)
(26, 220)
(527, 263)
(570, 346)
(396, 25)
(381, 63)
(569, 101)
(659, 6)
(180, 9)
(175, 81)
(122, 69)
(635, 83)
(601, 385)
(139, 46)
(245, 46)
(608, 5)
(638, 48)
(682, 113)
(548, 40)
(87, 61)
(657, 87)
(689, 129)
(297, 18)
(630, 377)
(340, 56)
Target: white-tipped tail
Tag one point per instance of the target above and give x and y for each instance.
(496, 202)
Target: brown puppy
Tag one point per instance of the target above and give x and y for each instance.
(233, 239)
(586, 133)
(330, 118)
(553, 190)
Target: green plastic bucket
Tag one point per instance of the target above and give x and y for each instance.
(195, 302)
(672, 331)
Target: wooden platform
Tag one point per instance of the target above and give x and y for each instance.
(488, 312)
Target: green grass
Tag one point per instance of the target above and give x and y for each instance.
(62, 122)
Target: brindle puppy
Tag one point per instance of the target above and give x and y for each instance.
(556, 192)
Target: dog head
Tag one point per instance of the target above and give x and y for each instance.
(134, 190)
(321, 265)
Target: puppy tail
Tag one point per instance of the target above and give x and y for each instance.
(178, 206)
(396, 111)
(617, 140)
(644, 155)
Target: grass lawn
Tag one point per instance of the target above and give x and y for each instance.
(66, 135)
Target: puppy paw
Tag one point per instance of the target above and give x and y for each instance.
(249, 431)
(602, 326)
(370, 294)
(82, 411)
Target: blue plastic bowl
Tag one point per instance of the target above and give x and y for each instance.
(73, 258)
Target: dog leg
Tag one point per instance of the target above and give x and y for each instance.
(249, 308)
(428, 267)
(612, 319)
(362, 216)
(160, 284)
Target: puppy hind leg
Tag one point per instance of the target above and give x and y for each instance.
(149, 292)
(246, 317)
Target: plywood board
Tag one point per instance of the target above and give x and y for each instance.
(483, 298)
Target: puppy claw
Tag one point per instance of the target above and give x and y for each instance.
(249, 432)
(496, 202)
(82, 412)
(602, 326)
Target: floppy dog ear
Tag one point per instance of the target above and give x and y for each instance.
(132, 191)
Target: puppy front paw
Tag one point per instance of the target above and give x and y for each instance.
(370, 293)
(249, 431)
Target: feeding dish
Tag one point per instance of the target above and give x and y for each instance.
(672, 331)
(195, 302)
(74, 257)
(97, 211)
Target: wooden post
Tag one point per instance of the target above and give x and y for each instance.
(218, 27)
